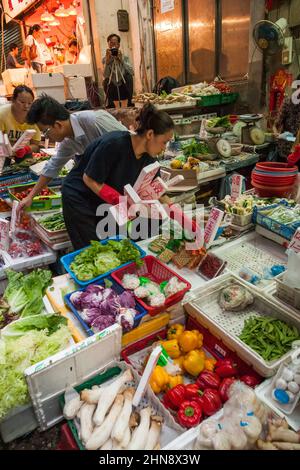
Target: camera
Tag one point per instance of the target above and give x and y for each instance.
(114, 51)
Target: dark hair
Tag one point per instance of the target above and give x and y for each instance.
(22, 89)
(12, 46)
(35, 27)
(151, 118)
(47, 110)
(114, 36)
(73, 43)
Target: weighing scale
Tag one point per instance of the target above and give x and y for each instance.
(250, 133)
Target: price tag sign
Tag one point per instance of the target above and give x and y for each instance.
(236, 186)
(295, 243)
(211, 228)
(4, 234)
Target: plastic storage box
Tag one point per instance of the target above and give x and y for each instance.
(68, 259)
(118, 289)
(228, 98)
(39, 203)
(158, 272)
(290, 295)
(210, 100)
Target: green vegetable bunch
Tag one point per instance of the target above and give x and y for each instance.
(53, 222)
(195, 148)
(98, 259)
(219, 122)
(269, 337)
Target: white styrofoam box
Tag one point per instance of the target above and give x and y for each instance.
(75, 88)
(202, 304)
(45, 80)
(58, 93)
(72, 70)
(19, 264)
(14, 77)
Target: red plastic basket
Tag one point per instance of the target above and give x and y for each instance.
(158, 272)
(67, 441)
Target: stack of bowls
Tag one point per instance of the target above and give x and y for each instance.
(274, 179)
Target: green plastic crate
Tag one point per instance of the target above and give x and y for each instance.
(228, 98)
(211, 100)
(97, 380)
(39, 203)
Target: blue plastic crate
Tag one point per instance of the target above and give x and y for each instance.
(68, 259)
(118, 289)
(284, 230)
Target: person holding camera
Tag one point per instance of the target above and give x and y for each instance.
(118, 75)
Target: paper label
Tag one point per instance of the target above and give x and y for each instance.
(295, 243)
(236, 186)
(153, 191)
(166, 5)
(211, 228)
(145, 177)
(4, 234)
(14, 217)
(132, 196)
(203, 134)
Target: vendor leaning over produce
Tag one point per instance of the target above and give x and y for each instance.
(74, 132)
(13, 121)
(107, 166)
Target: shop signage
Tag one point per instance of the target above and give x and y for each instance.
(211, 228)
(236, 186)
(295, 243)
(13, 8)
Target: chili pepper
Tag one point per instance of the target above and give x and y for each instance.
(172, 348)
(174, 397)
(224, 387)
(209, 364)
(193, 362)
(211, 401)
(192, 391)
(190, 340)
(249, 380)
(189, 414)
(208, 379)
(175, 331)
(226, 368)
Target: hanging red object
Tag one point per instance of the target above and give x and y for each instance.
(269, 5)
(278, 84)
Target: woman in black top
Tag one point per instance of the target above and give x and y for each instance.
(108, 164)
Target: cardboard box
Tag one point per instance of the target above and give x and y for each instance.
(190, 179)
(12, 78)
(75, 88)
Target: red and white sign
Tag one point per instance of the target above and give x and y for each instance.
(236, 186)
(211, 228)
(4, 234)
(295, 243)
(13, 8)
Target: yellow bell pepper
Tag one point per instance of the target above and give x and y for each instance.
(209, 364)
(175, 380)
(179, 361)
(159, 379)
(194, 362)
(175, 331)
(190, 340)
(172, 348)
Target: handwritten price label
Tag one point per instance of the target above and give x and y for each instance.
(236, 186)
(211, 228)
(295, 243)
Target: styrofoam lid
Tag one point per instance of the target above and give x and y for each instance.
(48, 379)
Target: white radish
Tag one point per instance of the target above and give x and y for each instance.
(126, 439)
(116, 445)
(102, 433)
(86, 421)
(286, 445)
(123, 420)
(139, 435)
(287, 374)
(72, 407)
(293, 387)
(285, 435)
(91, 396)
(108, 445)
(262, 445)
(109, 394)
(153, 435)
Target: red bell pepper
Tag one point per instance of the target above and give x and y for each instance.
(226, 368)
(249, 380)
(224, 387)
(189, 413)
(211, 401)
(174, 397)
(192, 391)
(208, 379)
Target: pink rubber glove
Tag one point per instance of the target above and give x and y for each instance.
(23, 151)
(294, 157)
(109, 195)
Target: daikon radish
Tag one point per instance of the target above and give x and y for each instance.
(102, 433)
(123, 420)
(109, 394)
(286, 445)
(154, 433)
(108, 445)
(86, 421)
(262, 445)
(72, 407)
(282, 434)
(126, 438)
(140, 434)
(91, 396)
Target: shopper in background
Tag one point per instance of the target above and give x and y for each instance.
(107, 165)
(118, 74)
(74, 132)
(288, 121)
(13, 118)
(72, 53)
(11, 60)
(36, 52)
